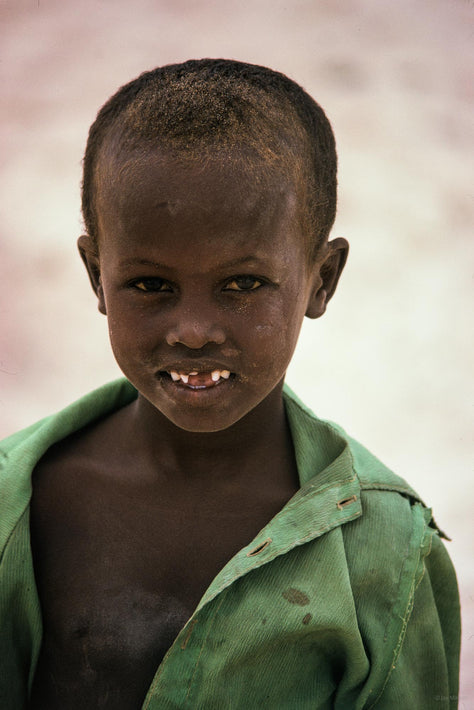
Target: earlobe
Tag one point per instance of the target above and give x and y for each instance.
(327, 276)
(317, 304)
(88, 252)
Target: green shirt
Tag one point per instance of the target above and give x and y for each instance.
(347, 599)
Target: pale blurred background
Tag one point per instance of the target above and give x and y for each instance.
(390, 360)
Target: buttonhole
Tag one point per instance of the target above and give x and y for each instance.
(260, 548)
(346, 501)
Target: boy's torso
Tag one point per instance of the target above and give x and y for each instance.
(122, 558)
(347, 526)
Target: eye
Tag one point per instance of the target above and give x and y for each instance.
(152, 284)
(243, 283)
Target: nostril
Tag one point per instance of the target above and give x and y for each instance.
(194, 337)
(172, 339)
(217, 336)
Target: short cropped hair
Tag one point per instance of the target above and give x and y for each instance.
(208, 104)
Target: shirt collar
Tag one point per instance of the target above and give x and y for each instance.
(329, 496)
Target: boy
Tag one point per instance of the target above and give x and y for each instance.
(193, 536)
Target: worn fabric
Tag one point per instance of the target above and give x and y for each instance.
(347, 599)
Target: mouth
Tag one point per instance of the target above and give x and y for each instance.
(195, 380)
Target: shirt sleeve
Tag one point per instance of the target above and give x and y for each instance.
(425, 670)
(407, 602)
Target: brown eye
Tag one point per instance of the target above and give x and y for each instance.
(152, 284)
(243, 283)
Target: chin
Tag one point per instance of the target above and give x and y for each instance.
(199, 425)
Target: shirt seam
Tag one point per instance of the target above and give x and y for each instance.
(408, 609)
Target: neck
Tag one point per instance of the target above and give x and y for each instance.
(244, 445)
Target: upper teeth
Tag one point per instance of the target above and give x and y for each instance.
(215, 375)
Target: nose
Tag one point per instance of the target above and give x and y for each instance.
(195, 328)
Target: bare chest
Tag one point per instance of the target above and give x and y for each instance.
(118, 576)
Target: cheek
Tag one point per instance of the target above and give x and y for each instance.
(131, 335)
(275, 334)
(287, 315)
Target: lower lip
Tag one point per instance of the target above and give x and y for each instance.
(195, 394)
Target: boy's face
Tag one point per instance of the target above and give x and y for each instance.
(205, 281)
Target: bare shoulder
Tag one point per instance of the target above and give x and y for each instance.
(88, 453)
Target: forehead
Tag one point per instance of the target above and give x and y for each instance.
(224, 186)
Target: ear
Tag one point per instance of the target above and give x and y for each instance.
(328, 268)
(88, 251)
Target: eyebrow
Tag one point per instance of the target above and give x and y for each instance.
(239, 261)
(143, 262)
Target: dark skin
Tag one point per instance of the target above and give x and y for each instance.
(133, 516)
